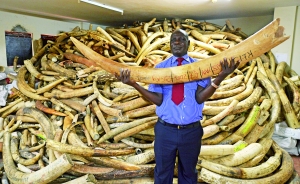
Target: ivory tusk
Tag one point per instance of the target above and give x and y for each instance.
(254, 46)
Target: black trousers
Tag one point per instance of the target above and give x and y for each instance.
(168, 142)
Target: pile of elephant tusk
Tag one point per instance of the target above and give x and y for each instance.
(71, 121)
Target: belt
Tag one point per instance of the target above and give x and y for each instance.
(191, 125)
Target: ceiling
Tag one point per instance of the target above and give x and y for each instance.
(143, 10)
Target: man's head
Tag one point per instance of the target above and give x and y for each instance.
(179, 43)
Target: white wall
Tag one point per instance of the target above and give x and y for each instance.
(249, 25)
(295, 63)
(288, 51)
(34, 25)
(287, 20)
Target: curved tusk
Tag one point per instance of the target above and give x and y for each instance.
(36, 73)
(254, 46)
(21, 80)
(29, 93)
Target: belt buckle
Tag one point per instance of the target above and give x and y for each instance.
(181, 127)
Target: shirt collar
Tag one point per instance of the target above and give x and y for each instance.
(185, 57)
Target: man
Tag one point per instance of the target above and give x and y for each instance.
(178, 130)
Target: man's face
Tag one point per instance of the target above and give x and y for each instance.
(179, 43)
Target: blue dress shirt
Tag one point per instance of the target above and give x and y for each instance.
(188, 110)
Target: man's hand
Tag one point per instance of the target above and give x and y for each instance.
(125, 76)
(203, 94)
(228, 68)
(156, 98)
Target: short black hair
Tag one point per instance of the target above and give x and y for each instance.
(183, 32)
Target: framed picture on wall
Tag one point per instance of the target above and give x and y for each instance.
(46, 37)
(18, 44)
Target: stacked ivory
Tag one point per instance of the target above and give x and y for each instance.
(78, 124)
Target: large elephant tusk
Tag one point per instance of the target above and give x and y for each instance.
(254, 46)
(281, 176)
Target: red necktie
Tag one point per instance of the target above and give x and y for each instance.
(178, 89)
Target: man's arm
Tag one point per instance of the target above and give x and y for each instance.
(202, 94)
(156, 98)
